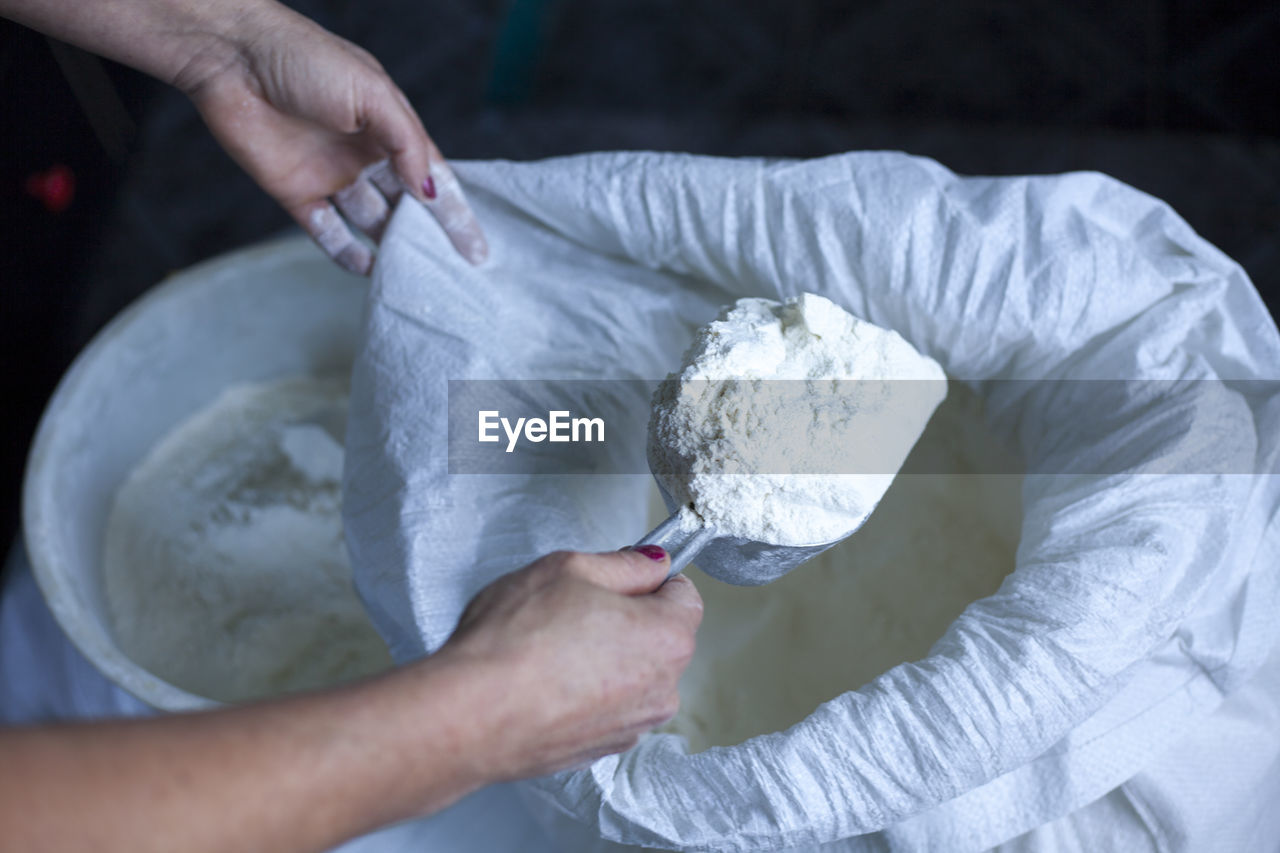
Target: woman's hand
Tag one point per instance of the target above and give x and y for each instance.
(308, 115)
(311, 117)
(583, 654)
(564, 661)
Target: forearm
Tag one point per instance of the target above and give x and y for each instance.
(298, 774)
(177, 41)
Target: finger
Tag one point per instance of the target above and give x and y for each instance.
(326, 227)
(448, 205)
(627, 572)
(664, 712)
(422, 168)
(585, 759)
(623, 744)
(382, 176)
(395, 127)
(680, 595)
(364, 207)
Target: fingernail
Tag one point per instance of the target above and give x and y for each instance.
(429, 187)
(653, 552)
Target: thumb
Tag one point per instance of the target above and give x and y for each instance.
(631, 571)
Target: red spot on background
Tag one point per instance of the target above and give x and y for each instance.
(55, 188)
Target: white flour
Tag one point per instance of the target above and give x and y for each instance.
(944, 535)
(755, 437)
(225, 568)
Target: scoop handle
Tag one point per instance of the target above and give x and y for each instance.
(679, 542)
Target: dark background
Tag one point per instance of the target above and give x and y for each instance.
(1179, 98)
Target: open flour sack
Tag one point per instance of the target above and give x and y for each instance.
(1113, 348)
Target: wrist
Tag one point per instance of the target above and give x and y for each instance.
(429, 734)
(216, 40)
(182, 42)
(474, 690)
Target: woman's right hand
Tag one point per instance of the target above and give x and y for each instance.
(564, 661)
(582, 652)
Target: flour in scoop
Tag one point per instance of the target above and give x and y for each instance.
(224, 565)
(788, 420)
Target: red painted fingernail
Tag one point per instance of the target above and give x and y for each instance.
(429, 187)
(653, 552)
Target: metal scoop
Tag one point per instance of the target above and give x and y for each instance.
(742, 562)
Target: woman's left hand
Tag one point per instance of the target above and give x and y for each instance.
(319, 124)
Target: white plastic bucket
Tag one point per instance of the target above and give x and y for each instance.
(274, 310)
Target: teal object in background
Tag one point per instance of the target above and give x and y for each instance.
(518, 51)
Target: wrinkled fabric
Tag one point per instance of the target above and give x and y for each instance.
(1139, 601)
